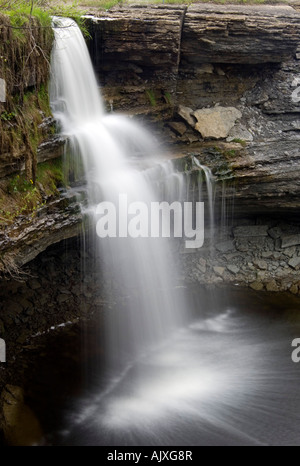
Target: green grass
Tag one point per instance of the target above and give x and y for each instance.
(101, 4)
(20, 11)
(70, 10)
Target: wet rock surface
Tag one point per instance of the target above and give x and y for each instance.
(243, 64)
(187, 60)
(22, 241)
(63, 298)
(43, 319)
(254, 252)
(20, 425)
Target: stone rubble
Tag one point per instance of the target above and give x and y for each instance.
(260, 261)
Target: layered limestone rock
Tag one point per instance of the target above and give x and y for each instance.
(151, 58)
(23, 240)
(239, 34)
(143, 39)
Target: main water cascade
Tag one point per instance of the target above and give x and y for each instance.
(171, 379)
(107, 145)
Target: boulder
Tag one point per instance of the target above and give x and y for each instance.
(290, 240)
(295, 263)
(178, 127)
(216, 122)
(257, 286)
(233, 269)
(250, 231)
(187, 114)
(20, 425)
(240, 133)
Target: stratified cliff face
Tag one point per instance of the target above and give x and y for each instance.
(222, 80)
(161, 38)
(219, 81)
(238, 34)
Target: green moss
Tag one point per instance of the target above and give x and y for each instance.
(19, 184)
(43, 100)
(227, 153)
(21, 196)
(51, 176)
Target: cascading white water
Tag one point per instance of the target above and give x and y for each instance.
(214, 381)
(106, 144)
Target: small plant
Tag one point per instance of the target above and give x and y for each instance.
(218, 149)
(230, 153)
(167, 97)
(19, 184)
(7, 116)
(240, 141)
(151, 97)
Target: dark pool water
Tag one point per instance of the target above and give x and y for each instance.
(225, 378)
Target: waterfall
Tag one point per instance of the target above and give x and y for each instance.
(107, 144)
(220, 379)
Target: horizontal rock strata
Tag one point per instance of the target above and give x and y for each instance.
(239, 34)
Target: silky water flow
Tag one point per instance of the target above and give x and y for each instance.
(172, 378)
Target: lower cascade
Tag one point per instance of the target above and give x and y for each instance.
(169, 379)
